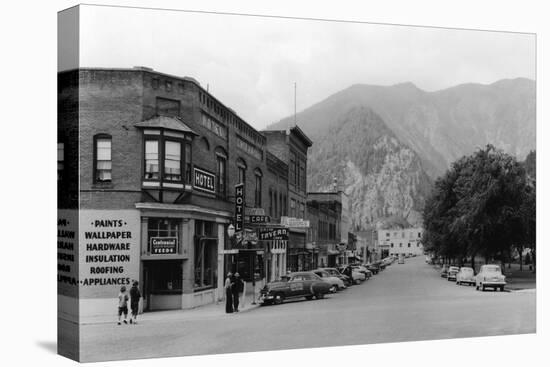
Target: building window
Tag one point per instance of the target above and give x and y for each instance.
(270, 203)
(419, 234)
(241, 171)
(187, 160)
(167, 107)
(180, 88)
(151, 160)
(275, 202)
(249, 148)
(60, 160)
(162, 227)
(391, 245)
(258, 189)
(206, 255)
(409, 245)
(155, 83)
(292, 208)
(302, 184)
(387, 234)
(292, 178)
(221, 165)
(285, 213)
(168, 86)
(302, 211)
(103, 163)
(172, 161)
(400, 245)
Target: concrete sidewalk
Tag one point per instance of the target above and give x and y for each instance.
(210, 311)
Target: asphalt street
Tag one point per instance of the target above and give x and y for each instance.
(405, 302)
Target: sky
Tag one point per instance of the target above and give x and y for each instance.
(251, 63)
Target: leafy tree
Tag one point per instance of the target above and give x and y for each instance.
(480, 206)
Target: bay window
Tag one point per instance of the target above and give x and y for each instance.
(172, 161)
(152, 159)
(168, 158)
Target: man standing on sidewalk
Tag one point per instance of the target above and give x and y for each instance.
(238, 288)
(229, 293)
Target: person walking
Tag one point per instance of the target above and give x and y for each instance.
(122, 304)
(134, 301)
(229, 293)
(238, 288)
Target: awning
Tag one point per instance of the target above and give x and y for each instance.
(333, 252)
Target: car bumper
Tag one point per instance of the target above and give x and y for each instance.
(493, 284)
(265, 298)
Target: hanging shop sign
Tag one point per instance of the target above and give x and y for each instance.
(239, 207)
(257, 219)
(273, 233)
(204, 181)
(254, 211)
(294, 222)
(164, 245)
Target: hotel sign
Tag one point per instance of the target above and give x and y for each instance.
(204, 181)
(164, 245)
(239, 207)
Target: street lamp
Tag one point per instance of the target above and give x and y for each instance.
(231, 231)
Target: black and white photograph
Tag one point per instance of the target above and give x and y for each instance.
(253, 183)
(240, 183)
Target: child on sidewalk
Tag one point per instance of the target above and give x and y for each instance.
(134, 301)
(123, 304)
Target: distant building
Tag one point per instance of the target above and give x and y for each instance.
(400, 241)
(291, 147)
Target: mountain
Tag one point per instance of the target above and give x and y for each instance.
(386, 144)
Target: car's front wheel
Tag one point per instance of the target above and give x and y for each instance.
(278, 299)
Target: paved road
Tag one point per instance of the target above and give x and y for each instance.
(405, 302)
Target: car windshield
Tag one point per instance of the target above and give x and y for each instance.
(492, 269)
(467, 271)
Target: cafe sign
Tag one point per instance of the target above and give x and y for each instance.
(204, 181)
(164, 245)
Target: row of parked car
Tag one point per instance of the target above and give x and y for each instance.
(489, 276)
(319, 282)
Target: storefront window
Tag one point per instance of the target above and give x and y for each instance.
(165, 276)
(163, 227)
(206, 255)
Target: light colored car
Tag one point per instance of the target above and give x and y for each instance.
(465, 276)
(453, 271)
(490, 276)
(363, 270)
(335, 282)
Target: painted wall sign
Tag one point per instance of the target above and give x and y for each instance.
(204, 180)
(164, 245)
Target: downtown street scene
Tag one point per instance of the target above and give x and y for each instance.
(253, 183)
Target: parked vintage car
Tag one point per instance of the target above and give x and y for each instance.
(444, 271)
(373, 267)
(356, 275)
(465, 276)
(334, 272)
(295, 285)
(453, 271)
(490, 276)
(362, 269)
(335, 282)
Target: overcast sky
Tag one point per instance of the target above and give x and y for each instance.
(252, 63)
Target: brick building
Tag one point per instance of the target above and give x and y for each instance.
(324, 210)
(291, 146)
(151, 161)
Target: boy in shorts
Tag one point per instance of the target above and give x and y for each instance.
(123, 304)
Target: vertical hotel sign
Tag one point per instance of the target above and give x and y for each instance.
(239, 207)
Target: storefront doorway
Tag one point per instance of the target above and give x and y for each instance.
(162, 284)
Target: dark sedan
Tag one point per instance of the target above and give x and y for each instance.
(296, 285)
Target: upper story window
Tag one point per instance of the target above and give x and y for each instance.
(102, 158)
(292, 178)
(292, 208)
(171, 154)
(258, 188)
(241, 170)
(60, 160)
(172, 161)
(152, 159)
(302, 211)
(221, 164)
(271, 194)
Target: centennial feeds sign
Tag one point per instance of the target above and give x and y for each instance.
(204, 180)
(164, 245)
(239, 207)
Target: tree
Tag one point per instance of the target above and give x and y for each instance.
(479, 206)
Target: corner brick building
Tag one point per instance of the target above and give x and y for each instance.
(147, 165)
